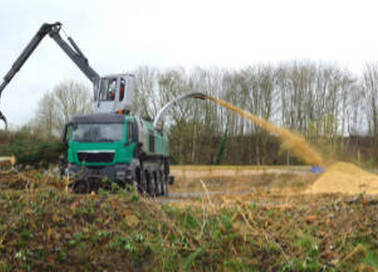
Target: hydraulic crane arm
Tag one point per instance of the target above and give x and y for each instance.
(74, 53)
(71, 49)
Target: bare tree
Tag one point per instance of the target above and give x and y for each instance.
(57, 106)
(370, 85)
(147, 101)
(45, 118)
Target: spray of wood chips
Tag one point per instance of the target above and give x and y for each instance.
(340, 177)
(290, 141)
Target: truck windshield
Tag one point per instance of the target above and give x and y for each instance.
(97, 132)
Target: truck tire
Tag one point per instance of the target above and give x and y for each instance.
(157, 184)
(160, 182)
(81, 187)
(165, 186)
(139, 178)
(150, 183)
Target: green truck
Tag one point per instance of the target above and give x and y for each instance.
(116, 147)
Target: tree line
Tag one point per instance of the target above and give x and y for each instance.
(334, 109)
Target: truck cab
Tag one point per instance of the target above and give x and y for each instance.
(114, 92)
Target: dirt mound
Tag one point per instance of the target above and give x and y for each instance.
(345, 178)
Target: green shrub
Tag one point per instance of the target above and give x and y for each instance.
(30, 149)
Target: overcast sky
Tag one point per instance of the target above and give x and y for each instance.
(119, 36)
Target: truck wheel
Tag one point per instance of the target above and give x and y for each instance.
(159, 180)
(165, 186)
(81, 187)
(145, 182)
(150, 183)
(156, 183)
(140, 178)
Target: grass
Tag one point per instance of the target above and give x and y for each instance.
(44, 227)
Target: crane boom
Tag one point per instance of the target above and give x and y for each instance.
(74, 53)
(71, 49)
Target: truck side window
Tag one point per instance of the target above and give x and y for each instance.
(112, 90)
(122, 86)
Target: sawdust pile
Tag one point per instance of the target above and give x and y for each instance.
(290, 141)
(345, 178)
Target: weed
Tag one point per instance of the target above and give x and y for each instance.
(114, 187)
(371, 258)
(23, 254)
(4, 267)
(62, 255)
(189, 261)
(124, 243)
(103, 234)
(27, 235)
(134, 197)
(239, 264)
(226, 221)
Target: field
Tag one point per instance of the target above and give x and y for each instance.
(216, 219)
